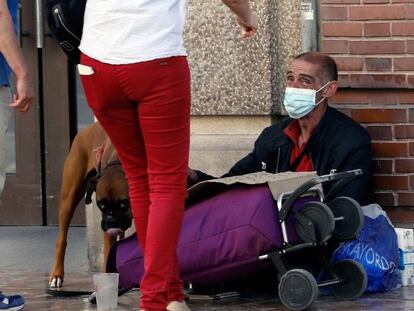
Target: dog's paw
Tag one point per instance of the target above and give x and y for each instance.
(56, 282)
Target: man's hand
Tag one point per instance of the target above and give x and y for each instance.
(10, 48)
(191, 178)
(249, 27)
(24, 97)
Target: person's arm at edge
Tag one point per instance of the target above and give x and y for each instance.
(9, 47)
(246, 18)
(242, 166)
(358, 157)
(251, 163)
(361, 188)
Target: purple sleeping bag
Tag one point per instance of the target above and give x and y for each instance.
(221, 239)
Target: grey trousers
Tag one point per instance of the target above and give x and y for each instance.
(5, 99)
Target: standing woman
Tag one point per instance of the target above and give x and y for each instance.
(137, 82)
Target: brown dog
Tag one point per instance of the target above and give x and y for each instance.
(91, 165)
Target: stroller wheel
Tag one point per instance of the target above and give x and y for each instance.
(352, 218)
(322, 219)
(298, 289)
(354, 279)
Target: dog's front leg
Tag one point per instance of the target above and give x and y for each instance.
(73, 189)
(109, 240)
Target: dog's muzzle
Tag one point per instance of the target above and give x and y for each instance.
(115, 226)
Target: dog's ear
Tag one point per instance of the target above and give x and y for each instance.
(91, 188)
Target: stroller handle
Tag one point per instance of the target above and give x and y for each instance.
(336, 176)
(313, 182)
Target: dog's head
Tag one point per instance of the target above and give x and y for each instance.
(112, 199)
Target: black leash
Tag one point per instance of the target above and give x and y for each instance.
(59, 292)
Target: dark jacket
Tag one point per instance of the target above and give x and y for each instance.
(337, 142)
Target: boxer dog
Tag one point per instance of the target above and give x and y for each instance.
(91, 165)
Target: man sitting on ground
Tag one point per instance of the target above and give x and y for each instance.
(315, 137)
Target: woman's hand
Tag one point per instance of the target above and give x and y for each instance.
(249, 26)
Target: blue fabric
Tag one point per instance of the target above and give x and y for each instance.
(5, 70)
(14, 303)
(376, 249)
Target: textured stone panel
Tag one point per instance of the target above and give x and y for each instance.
(234, 76)
(286, 41)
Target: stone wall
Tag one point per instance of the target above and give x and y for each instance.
(235, 76)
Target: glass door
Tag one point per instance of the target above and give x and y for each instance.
(39, 141)
(21, 200)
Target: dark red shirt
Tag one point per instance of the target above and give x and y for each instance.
(293, 132)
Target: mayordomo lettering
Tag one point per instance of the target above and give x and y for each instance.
(362, 252)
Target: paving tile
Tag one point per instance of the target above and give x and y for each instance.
(33, 286)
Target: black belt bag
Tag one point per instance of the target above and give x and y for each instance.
(65, 21)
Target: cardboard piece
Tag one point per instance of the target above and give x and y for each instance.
(278, 183)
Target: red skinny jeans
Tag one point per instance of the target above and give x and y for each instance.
(145, 110)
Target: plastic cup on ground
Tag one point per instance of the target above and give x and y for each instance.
(106, 288)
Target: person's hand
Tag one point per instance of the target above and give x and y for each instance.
(249, 27)
(24, 97)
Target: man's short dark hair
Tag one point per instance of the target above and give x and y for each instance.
(325, 62)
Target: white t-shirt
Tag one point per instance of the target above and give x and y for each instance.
(130, 31)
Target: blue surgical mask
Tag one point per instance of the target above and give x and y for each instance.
(299, 102)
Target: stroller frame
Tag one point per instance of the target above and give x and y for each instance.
(298, 287)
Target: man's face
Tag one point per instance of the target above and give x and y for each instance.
(303, 75)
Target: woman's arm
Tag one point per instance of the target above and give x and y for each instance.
(246, 18)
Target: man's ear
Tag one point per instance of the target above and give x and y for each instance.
(331, 89)
(91, 188)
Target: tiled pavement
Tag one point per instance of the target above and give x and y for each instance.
(33, 286)
(24, 270)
